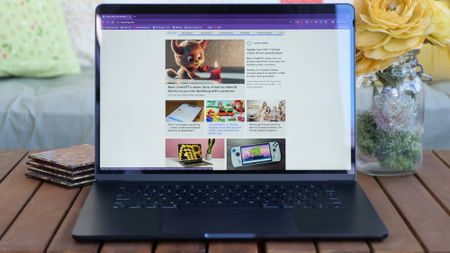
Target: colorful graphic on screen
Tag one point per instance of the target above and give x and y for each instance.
(256, 154)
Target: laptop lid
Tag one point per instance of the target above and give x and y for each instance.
(267, 91)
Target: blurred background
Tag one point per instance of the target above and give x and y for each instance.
(47, 74)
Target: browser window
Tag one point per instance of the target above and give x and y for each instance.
(225, 92)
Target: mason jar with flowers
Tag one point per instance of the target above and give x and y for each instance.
(389, 92)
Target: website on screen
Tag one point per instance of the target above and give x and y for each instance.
(225, 92)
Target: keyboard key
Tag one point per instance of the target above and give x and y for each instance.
(169, 206)
(270, 206)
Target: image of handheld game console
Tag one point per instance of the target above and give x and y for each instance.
(268, 152)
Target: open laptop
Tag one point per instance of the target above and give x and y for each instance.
(190, 155)
(277, 86)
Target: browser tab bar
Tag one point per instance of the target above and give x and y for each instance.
(222, 22)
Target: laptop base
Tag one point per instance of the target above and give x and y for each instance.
(356, 220)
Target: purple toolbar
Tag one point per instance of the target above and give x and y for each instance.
(224, 22)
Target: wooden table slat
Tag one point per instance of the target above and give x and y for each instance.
(36, 216)
(290, 247)
(35, 226)
(425, 216)
(444, 155)
(63, 240)
(233, 247)
(8, 160)
(436, 176)
(342, 247)
(15, 192)
(177, 247)
(127, 247)
(400, 238)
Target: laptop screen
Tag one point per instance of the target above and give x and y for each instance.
(238, 92)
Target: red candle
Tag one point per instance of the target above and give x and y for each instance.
(216, 72)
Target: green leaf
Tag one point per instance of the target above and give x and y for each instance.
(387, 79)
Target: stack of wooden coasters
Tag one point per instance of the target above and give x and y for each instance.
(69, 167)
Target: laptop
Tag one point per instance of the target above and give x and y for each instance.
(191, 155)
(276, 87)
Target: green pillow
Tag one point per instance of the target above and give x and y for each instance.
(34, 41)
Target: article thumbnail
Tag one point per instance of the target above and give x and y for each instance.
(196, 153)
(184, 111)
(205, 61)
(225, 111)
(256, 154)
(266, 110)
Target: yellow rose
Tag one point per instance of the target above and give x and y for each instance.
(440, 27)
(386, 29)
(366, 65)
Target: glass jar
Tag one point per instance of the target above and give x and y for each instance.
(390, 119)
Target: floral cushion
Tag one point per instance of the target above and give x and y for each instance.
(34, 41)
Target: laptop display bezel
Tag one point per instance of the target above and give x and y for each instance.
(192, 175)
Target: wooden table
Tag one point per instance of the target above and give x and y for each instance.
(38, 217)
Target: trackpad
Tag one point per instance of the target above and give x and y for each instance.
(240, 221)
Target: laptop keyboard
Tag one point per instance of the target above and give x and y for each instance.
(226, 195)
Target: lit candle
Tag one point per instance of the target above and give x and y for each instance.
(216, 72)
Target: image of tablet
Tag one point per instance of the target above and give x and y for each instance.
(184, 113)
